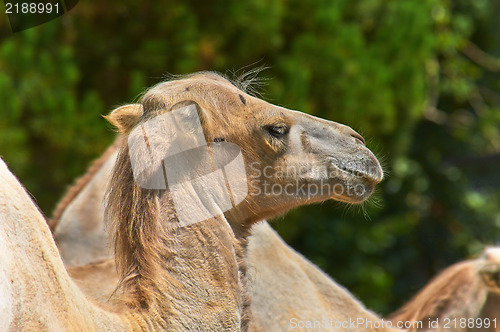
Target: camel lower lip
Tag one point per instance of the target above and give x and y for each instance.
(356, 193)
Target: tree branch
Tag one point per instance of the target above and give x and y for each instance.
(481, 58)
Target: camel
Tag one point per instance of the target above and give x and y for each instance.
(171, 274)
(303, 290)
(463, 297)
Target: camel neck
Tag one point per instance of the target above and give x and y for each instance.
(194, 276)
(175, 276)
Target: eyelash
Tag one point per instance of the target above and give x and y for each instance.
(277, 131)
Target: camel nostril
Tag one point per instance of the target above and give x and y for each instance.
(358, 137)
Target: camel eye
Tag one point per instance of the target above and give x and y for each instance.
(219, 139)
(277, 130)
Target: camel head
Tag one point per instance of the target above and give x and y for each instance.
(288, 158)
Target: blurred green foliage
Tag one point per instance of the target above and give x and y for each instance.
(419, 79)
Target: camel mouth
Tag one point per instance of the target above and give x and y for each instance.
(357, 171)
(372, 177)
(357, 181)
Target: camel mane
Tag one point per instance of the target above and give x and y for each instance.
(132, 216)
(141, 221)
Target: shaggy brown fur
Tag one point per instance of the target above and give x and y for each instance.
(148, 241)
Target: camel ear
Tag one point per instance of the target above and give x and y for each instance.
(126, 117)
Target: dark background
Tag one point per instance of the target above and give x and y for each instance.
(419, 79)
